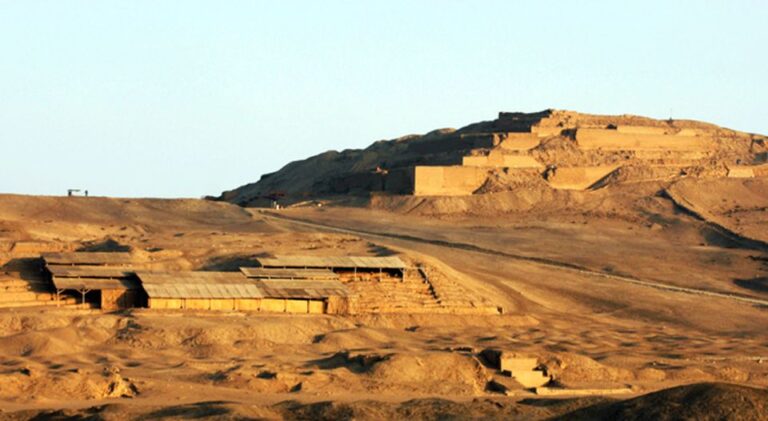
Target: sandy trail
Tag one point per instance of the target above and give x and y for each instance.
(604, 332)
(545, 262)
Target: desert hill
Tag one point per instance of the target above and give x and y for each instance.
(541, 157)
(616, 267)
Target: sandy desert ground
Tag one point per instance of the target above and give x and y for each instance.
(662, 301)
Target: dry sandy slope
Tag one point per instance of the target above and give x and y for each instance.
(230, 365)
(738, 205)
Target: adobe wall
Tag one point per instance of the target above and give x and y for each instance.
(678, 155)
(748, 171)
(740, 171)
(546, 131)
(579, 178)
(641, 130)
(503, 161)
(518, 141)
(118, 299)
(448, 181)
(614, 140)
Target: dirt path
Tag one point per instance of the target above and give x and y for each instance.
(550, 263)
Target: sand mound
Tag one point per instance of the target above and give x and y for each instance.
(31, 384)
(703, 401)
(355, 339)
(77, 334)
(218, 410)
(207, 337)
(256, 379)
(579, 370)
(11, 323)
(433, 372)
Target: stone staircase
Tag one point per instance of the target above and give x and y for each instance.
(20, 292)
(391, 295)
(524, 370)
(515, 372)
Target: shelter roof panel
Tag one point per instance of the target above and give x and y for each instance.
(306, 289)
(67, 271)
(87, 258)
(198, 285)
(275, 273)
(361, 262)
(94, 283)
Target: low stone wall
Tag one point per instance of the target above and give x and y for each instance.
(748, 171)
(499, 160)
(546, 131)
(615, 140)
(579, 178)
(448, 180)
(518, 141)
(642, 130)
(740, 171)
(269, 305)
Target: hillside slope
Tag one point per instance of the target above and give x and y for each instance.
(537, 152)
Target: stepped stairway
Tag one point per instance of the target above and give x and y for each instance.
(20, 292)
(392, 295)
(524, 370)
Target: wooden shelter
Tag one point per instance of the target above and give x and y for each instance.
(273, 273)
(88, 258)
(200, 290)
(345, 266)
(116, 288)
(303, 295)
(234, 291)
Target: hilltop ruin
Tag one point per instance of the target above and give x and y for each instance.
(552, 149)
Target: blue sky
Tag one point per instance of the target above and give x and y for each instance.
(188, 98)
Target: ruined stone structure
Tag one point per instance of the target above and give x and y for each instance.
(558, 149)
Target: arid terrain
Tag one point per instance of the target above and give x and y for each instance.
(642, 294)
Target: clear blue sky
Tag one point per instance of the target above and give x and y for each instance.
(187, 98)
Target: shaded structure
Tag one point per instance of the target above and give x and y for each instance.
(104, 279)
(200, 290)
(303, 296)
(272, 273)
(113, 288)
(356, 267)
(234, 291)
(88, 258)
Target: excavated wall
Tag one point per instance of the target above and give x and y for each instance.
(606, 139)
(448, 181)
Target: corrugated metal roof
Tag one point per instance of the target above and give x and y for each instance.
(94, 283)
(198, 285)
(87, 258)
(348, 262)
(274, 273)
(304, 288)
(64, 271)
